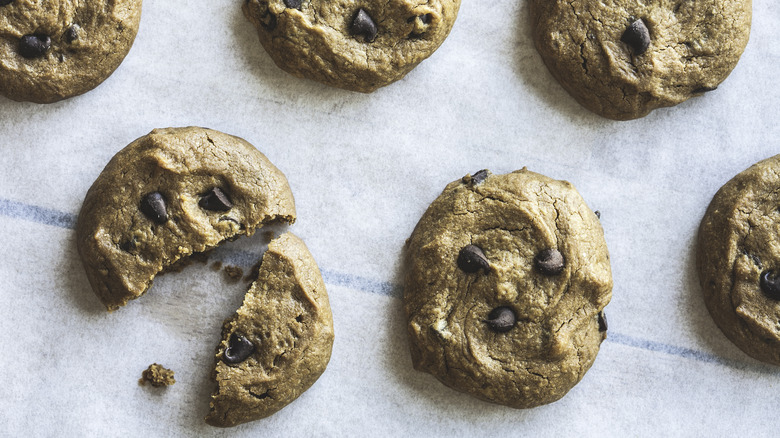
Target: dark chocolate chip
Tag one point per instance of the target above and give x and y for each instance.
(6, 2)
(294, 4)
(72, 33)
(602, 318)
(549, 261)
(128, 246)
(364, 26)
(597, 213)
(501, 319)
(702, 90)
(471, 259)
(215, 200)
(34, 46)
(480, 176)
(239, 349)
(770, 284)
(153, 206)
(637, 37)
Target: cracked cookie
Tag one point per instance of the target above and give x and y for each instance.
(738, 260)
(53, 50)
(351, 44)
(506, 280)
(622, 59)
(168, 195)
(278, 343)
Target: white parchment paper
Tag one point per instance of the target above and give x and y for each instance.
(363, 168)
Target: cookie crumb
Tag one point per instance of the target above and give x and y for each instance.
(233, 273)
(216, 266)
(157, 375)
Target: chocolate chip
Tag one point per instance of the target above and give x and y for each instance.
(471, 259)
(239, 349)
(770, 284)
(602, 318)
(480, 176)
(128, 246)
(294, 4)
(501, 319)
(702, 90)
(637, 37)
(215, 200)
(549, 261)
(34, 46)
(597, 213)
(363, 25)
(153, 206)
(72, 33)
(426, 18)
(6, 2)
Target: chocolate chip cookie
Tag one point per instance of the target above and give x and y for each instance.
(738, 260)
(278, 343)
(622, 59)
(167, 195)
(507, 278)
(57, 49)
(351, 44)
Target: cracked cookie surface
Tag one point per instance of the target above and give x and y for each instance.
(522, 326)
(278, 343)
(622, 59)
(55, 49)
(738, 260)
(168, 195)
(351, 44)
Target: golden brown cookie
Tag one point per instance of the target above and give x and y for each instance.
(278, 343)
(738, 260)
(351, 44)
(623, 58)
(167, 195)
(507, 277)
(51, 50)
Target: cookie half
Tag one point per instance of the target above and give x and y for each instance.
(507, 277)
(738, 260)
(622, 58)
(167, 195)
(351, 44)
(278, 343)
(53, 50)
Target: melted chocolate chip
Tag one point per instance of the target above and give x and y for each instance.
(215, 200)
(34, 46)
(501, 319)
(637, 37)
(364, 26)
(480, 176)
(239, 349)
(294, 4)
(72, 33)
(153, 206)
(549, 261)
(471, 259)
(602, 319)
(770, 284)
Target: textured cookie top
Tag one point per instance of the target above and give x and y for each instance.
(507, 276)
(351, 44)
(738, 259)
(54, 49)
(167, 195)
(622, 58)
(278, 343)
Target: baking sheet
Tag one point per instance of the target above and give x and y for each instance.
(363, 168)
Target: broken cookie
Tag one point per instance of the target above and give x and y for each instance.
(506, 280)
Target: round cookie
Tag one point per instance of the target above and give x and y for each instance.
(351, 44)
(52, 50)
(738, 260)
(167, 195)
(507, 277)
(278, 343)
(622, 58)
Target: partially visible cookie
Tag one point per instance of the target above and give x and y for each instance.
(738, 260)
(278, 343)
(167, 195)
(53, 50)
(352, 44)
(507, 277)
(623, 58)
